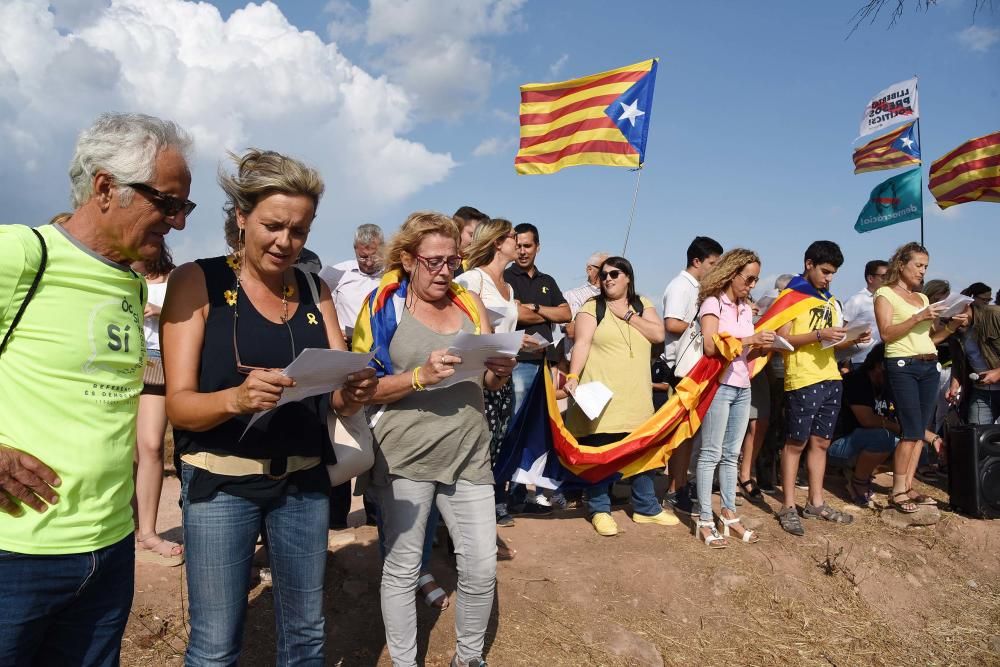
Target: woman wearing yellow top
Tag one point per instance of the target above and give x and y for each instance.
(615, 332)
(909, 326)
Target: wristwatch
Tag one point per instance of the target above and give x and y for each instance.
(629, 314)
(534, 307)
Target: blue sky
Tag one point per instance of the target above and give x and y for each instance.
(408, 106)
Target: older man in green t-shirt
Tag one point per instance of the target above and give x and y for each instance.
(70, 376)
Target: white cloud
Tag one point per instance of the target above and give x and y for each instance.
(494, 146)
(347, 23)
(557, 67)
(435, 49)
(951, 213)
(251, 80)
(977, 38)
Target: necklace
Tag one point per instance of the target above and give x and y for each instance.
(286, 289)
(628, 340)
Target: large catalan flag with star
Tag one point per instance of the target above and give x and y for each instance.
(971, 172)
(600, 119)
(892, 150)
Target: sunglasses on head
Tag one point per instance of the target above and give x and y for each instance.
(613, 274)
(168, 204)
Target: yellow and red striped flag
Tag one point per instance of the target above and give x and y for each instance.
(971, 172)
(892, 150)
(600, 119)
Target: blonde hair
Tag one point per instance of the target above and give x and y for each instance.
(483, 248)
(730, 264)
(901, 258)
(418, 226)
(259, 174)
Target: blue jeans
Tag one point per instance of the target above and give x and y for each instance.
(220, 535)
(984, 406)
(599, 496)
(843, 451)
(65, 609)
(914, 384)
(722, 432)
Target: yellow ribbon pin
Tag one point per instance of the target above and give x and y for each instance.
(311, 318)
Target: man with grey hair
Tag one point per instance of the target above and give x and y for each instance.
(352, 280)
(71, 311)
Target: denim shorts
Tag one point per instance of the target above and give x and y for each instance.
(813, 410)
(914, 384)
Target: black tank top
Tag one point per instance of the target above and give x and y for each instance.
(293, 429)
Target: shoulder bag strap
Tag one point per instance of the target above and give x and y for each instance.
(31, 290)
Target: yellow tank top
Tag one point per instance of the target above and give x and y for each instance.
(918, 340)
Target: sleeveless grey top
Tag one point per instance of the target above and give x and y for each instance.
(439, 435)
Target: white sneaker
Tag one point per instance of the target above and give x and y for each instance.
(540, 499)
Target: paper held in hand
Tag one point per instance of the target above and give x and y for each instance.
(592, 398)
(475, 350)
(782, 344)
(539, 340)
(317, 371)
(954, 305)
(852, 333)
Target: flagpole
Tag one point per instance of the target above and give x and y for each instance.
(921, 145)
(631, 214)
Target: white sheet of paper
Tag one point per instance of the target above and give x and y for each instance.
(317, 371)
(475, 350)
(852, 333)
(954, 304)
(539, 339)
(592, 398)
(782, 344)
(331, 276)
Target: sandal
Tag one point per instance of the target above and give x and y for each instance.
(713, 540)
(748, 536)
(504, 551)
(908, 506)
(920, 498)
(826, 513)
(435, 597)
(864, 498)
(162, 552)
(790, 522)
(750, 489)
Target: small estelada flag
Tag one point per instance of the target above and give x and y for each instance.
(895, 104)
(971, 172)
(600, 119)
(898, 148)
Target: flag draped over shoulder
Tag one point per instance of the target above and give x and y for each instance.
(601, 119)
(971, 172)
(895, 199)
(382, 310)
(898, 148)
(538, 431)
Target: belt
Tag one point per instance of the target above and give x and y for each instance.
(236, 465)
(915, 357)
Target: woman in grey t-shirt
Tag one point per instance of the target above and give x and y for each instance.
(433, 446)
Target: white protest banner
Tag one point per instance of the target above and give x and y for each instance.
(895, 104)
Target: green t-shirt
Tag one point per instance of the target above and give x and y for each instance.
(70, 378)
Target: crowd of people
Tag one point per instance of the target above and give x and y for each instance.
(101, 329)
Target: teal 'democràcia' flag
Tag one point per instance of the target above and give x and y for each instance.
(894, 200)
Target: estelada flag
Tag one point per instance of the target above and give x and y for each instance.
(971, 172)
(649, 445)
(898, 148)
(600, 119)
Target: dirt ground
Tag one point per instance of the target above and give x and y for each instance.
(865, 594)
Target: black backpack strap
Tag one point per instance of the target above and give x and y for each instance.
(600, 309)
(31, 290)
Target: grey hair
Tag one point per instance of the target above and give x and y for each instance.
(367, 234)
(781, 282)
(124, 145)
(597, 259)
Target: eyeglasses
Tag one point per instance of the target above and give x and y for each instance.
(613, 274)
(246, 369)
(435, 264)
(749, 280)
(880, 276)
(983, 298)
(594, 266)
(169, 205)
